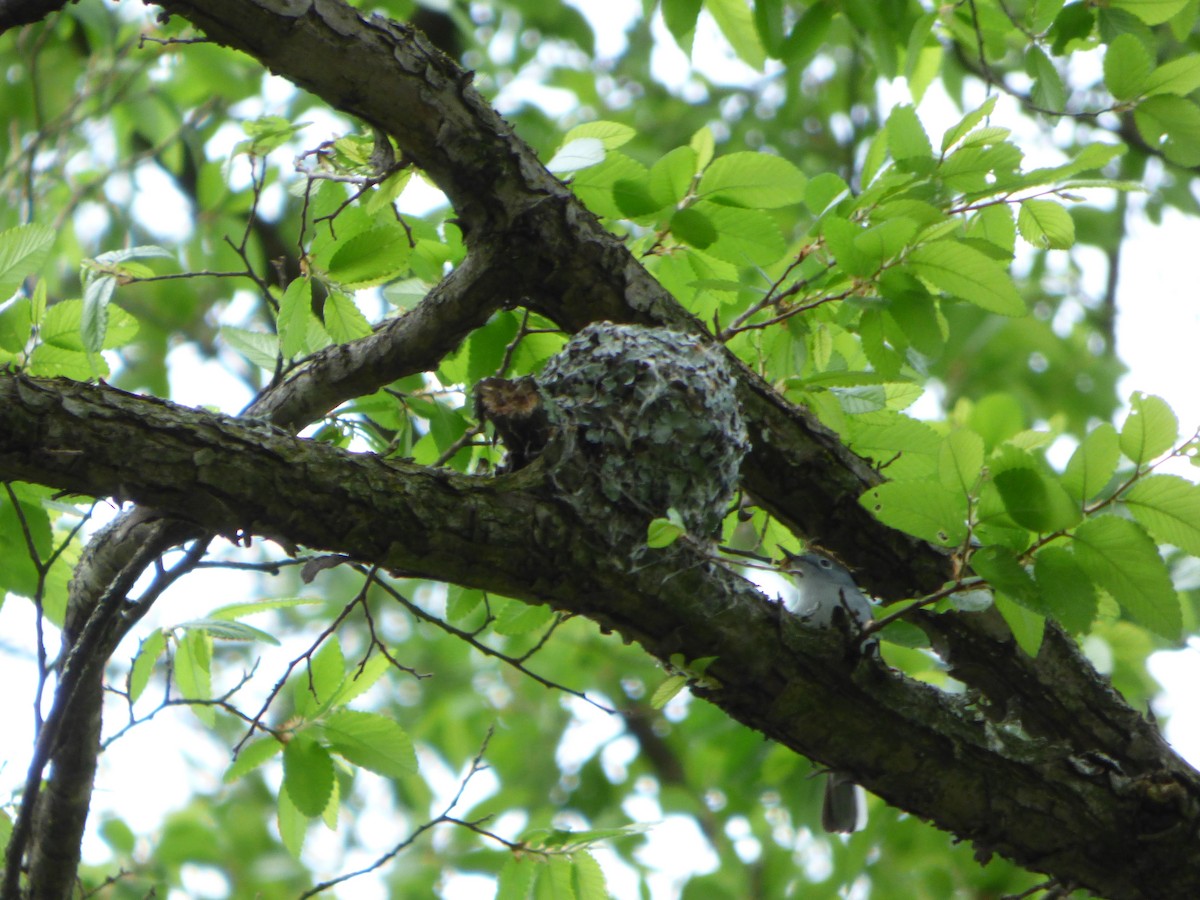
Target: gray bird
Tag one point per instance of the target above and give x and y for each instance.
(822, 588)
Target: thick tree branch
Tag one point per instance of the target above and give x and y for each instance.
(1104, 810)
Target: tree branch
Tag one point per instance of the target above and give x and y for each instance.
(1107, 809)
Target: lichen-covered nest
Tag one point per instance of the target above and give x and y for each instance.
(649, 420)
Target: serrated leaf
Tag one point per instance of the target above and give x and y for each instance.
(671, 177)
(1046, 224)
(964, 272)
(907, 139)
(293, 826)
(292, 322)
(259, 348)
(1150, 429)
(745, 237)
(1093, 463)
(1027, 626)
(588, 879)
(1152, 12)
(307, 775)
(231, 631)
(515, 617)
(960, 460)
(1049, 93)
(1169, 508)
(62, 323)
(1067, 591)
(16, 324)
(663, 533)
(371, 258)
(251, 757)
(924, 509)
(462, 602)
(193, 673)
(969, 121)
(54, 361)
(693, 227)
(517, 874)
(360, 680)
(1036, 500)
(1127, 66)
(343, 319)
(97, 293)
(736, 22)
(755, 180)
(1170, 124)
(577, 154)
(1179, 76)
(143, 664)
(237, 610)
(371, 741)
(23, 251)
(1119, 556)
(316, 684)
(610, 134)
(671, 686)
(1005, 573)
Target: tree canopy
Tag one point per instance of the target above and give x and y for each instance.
(505, 617)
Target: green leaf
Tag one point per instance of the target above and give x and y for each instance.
(1119, 556)
(343, 319)
(315, 685)
(1170, 124)
(924, 509)
(960, 460)
(1169, 508)
(515, 881)
(1048, 90)
(671, 177)
(663, 532)
(1035, 499)
(1046, 224)
(1179, 76)
(807, 35)
(16, 324)
(361, 679)
(307, 775)
(587, 877)
(371, 258)
(969, 121)
(577, 154)
(1150, 429)
(1067, 591)
(515, 617)
(693, 227)
(293, 826)
(1152, 12)
(967, 273)
(231, 631)
(62, 324)
(671, 686)
(259, 348)
(1005, 573)
(54, 361)
(143, 664)
(907, 139)
(251, 757)
(238, 610)
(756, 180)
(23, 251)
(371, 741)
(1027, 626)
(610, 134)
(193, 672)
(97, 292)
(1093, 463)
(295, 314)
(1127, 66)
(736, 22)
(745, 237)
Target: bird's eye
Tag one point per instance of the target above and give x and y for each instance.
(826, 564)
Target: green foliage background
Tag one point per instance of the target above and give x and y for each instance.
(853, 258)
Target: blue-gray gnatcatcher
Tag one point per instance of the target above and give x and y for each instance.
(822, 589)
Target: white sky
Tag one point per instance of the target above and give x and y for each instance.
(1158, 333)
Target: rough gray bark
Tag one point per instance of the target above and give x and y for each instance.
(1089, 793)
